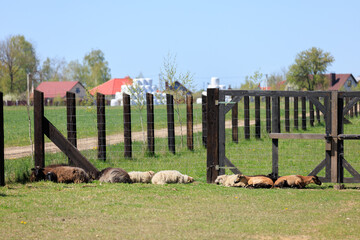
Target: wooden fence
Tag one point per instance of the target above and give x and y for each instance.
(333, 110)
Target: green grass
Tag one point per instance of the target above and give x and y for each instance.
(195, 211)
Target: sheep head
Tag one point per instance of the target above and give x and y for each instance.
(37, 174)
(316, 180)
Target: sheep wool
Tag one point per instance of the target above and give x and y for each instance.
(229, 181)
(141, 177)
(170, 176)
(114, 175)
(66, 174)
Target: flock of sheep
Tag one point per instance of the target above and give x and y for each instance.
(62, 173)
(261, 181)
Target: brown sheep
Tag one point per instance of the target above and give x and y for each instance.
(114, 175)
(255, 182)
(66, 174)
(38, 174)
(296, 181)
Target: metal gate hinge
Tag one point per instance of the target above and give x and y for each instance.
(216, 102)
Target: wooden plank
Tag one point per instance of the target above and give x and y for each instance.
(232, 167)
(287, 114)
(349, 106)
(2, 159)
(213, 134)
(230, 105)
(318, 111)
(204, 120)
(257, 118)
(349, 137)
(317, 103)
(68, 148)
(38, 129)
(71, 120)
(318, 168)
(334, 132)
(273, 93)
(350, 169)
(275, 129)
(127, 126)
(150, 123)
(268, 114)
(234, 123)
(221, 141)
(312, 116)
(296, 113)
(306, 136)
(170, 122)
(189, 122)
(303, 113)
(246, 117)
(101, 125)
(340, 143)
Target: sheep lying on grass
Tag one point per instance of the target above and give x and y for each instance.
(66, 174)
(141, 177)
(114, 175)
(38, 173)
(254, 182)
(228, 181)
(170, 176)
(296, 181)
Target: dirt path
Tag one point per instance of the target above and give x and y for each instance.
(91, 143)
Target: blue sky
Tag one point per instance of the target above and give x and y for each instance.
(226, 39)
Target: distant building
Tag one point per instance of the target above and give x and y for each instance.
(53, 90)
(341, 81)
(177, 86)
(111, 87)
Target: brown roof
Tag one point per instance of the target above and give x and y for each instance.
(340, 80)
(56, 89)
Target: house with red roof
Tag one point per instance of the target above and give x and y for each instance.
(52, 90)
(341, 81)
(112, 86)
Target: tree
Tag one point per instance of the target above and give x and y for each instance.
(17, 58)
(308, 70)
(97, 67)
(169, 77)
(252, 82)
(53, 69)
(276, 81)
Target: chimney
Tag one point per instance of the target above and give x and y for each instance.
(333, 78)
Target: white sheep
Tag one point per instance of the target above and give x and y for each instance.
(141, 177)
(229, 181)
(170, 176)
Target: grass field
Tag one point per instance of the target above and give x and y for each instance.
(195, 211)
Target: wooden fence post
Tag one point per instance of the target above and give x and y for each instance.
(204, 120)
(268, 114)
(275, 129)
(171, 123)
(150, 123)
(356, 109)
(101, 126)
(318, 112)
(246, 117)
(38, 129)
(189, 122)
(257, 117)
(213, 134)
(287, 114)
(303, 113)
(127, 126)
(311, 110)
(234, 123)
(71, 120)
(296, 113)
(334, 133)
(340, 142)
(2, 160)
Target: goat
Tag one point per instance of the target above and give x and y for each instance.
(38, 173)
(141, 177)
(228, 181)
(114, 175)
(254, 182)
(296, 181)
(170, 176)
(66, 174)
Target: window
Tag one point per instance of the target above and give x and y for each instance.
(77, 90)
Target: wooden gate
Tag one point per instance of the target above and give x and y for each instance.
(331, 108)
